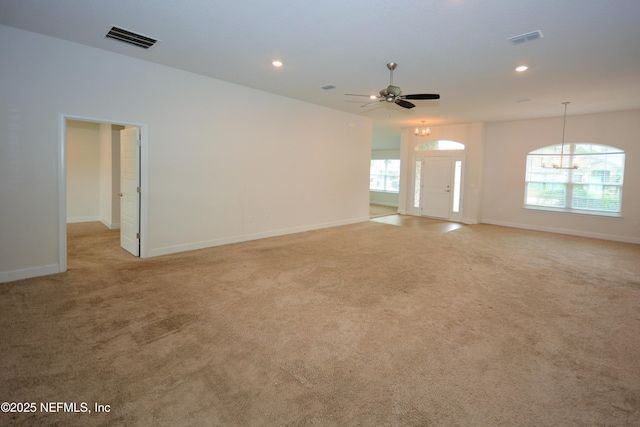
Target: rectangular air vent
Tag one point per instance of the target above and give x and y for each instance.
(327, 87)
(527, 37)
(131, 38)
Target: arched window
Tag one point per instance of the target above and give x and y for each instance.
(585, 178)
(442, 144)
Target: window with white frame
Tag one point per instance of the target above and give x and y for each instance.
(385, 175)
(585, 178)
(441, 144)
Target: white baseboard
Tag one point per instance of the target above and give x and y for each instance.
(78, 219)
(167, 250)
(613, 237)
(26, 273)
(391, 205)
(111, 226)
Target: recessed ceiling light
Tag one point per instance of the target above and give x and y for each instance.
(522, 68)
(373, 97)
(277, 63)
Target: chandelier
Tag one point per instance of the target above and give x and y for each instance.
(555, 164)
(423, 131)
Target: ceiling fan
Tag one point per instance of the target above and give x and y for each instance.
(393, 93)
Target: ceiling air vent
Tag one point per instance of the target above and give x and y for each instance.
(527, 37)
(131, 38)
(327, 87)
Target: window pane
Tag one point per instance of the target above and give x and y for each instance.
(596, 149)
(603, 168)
(596, 183)
(376, 175)
(538, 169)
(384, 175)
(417, 185)
(376, 182)
(550, 149)
(596, 197)
(440, 145)
(392, 182)
(546, 194)
(457, 177)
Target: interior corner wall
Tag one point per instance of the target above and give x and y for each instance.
(83, 178)
(208, 181)
(507, 146)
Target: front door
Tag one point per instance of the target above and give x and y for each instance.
(436, 188)
(130, 190)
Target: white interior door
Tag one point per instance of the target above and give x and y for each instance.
(130, 190)
(436, 187)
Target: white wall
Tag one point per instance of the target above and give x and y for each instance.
(210, 177)
(507, 145)
(83, 178)
(109, 174)
(383, 198)
(93, 172)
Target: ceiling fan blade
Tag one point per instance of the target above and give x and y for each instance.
(405, 104)
(355, 94)
(422, 96)
(370, 103)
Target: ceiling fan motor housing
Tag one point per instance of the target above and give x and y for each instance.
(394, 90)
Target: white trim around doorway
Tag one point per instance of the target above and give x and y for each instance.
(62, 183)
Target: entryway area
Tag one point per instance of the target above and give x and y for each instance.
(436, 177)
(423, 223)
(102, 167)
(377, 211)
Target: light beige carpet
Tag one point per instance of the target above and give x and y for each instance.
(370, 324)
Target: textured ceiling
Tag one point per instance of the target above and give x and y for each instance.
(589, 55)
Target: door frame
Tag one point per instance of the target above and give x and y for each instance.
(453, 156)
(62, 182)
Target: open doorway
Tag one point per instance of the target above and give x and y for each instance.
(103, 169)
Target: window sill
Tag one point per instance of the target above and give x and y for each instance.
(383, 191)
(574, 211)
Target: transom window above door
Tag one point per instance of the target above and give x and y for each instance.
(439, 144)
